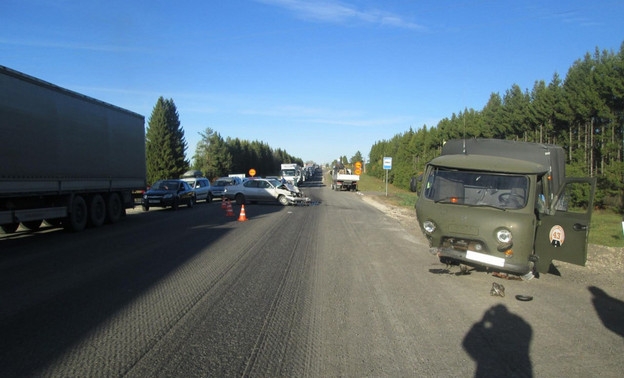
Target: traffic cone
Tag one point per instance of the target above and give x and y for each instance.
(229, 212)
(242, 216)
(223, 203)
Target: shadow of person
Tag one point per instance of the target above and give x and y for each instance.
(610, 310)
(499, 344)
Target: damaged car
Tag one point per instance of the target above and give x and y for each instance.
(265, 190)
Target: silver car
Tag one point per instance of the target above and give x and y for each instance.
(203, 190)
(261, 190)
(219, 185)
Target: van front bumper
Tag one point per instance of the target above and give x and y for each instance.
(478, 259)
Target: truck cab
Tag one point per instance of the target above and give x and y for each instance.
(504, 206)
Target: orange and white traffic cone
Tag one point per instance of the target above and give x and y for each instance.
(223, 203)
(242, 217)
(229, 212)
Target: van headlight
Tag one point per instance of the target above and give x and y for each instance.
(429, 226)
(503, 236)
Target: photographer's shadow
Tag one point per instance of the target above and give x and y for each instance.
(499, 344)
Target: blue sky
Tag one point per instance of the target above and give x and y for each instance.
(320, 79)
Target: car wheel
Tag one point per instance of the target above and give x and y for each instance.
(283, 200)
(209, 198)
(191, 203)
(145, 207)
(176, 203)
(240, 199)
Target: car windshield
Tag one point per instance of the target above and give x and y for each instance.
(477, 188)
(166, 185)
(287, 172)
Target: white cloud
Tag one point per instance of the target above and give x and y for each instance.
(339, 13)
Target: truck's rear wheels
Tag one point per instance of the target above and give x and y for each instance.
(114, 210)
(9, 228)
(77, 218)
(97, 210)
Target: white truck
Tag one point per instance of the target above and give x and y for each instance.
(343, 179)
(291, 172)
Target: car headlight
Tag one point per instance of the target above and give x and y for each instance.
(429, 226)
(503, 236)
(168, 195)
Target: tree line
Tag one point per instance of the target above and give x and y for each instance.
(583, 113)
(217, 157)
(165, 150)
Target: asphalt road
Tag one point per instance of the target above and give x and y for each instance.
(335, 289)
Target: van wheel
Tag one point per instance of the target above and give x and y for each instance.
(77, 218)
(97, 210)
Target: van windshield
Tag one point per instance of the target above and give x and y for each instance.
(477, 188)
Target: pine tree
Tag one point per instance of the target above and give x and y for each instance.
(165, 145)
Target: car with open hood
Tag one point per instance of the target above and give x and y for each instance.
(262, 190)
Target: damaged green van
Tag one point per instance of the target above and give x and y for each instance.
(505, 206)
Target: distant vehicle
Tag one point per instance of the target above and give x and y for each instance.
(262, 190)
(505, 206)
(291, 172)
(219, 185)
(168, 193)
(343, 179)
(66, 158)
(201, 185)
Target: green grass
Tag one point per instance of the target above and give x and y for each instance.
(606, 227)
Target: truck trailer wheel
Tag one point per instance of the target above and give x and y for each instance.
(77, 218)
(97, 210)
(114, 210)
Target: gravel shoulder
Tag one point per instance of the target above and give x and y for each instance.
(605, 265)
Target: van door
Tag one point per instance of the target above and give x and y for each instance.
(562, 234)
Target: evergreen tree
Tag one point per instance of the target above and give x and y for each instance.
(164, 143)
(357, 157)
(212, 155)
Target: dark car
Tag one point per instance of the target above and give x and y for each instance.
(165, 193)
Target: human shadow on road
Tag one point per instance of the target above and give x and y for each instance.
(499, 344)
(610, 310)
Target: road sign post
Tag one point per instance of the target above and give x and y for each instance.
(387, 165)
